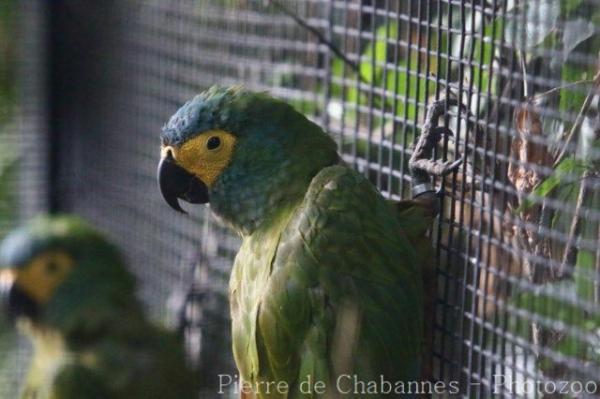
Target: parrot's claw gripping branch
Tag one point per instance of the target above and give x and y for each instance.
(422, 167)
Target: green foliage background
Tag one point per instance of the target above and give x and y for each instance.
(531, 31)
(7, 108)
(8, 154)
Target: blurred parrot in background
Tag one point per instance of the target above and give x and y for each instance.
(67, 288)
(327, 287)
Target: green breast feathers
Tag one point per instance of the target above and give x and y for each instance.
(327, 290)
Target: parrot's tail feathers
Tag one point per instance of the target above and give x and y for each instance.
(421, 165)
(415, 217)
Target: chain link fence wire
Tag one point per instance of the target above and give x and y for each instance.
(516, 310)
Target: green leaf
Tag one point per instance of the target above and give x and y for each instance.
(568, 346)
(561, 221)
(545, 302)
(564, 174)
(568, 7)
(575, 70)
(483, 54)
(585, 265)
(401, 79)
(305, 106)
(584, 270)
(8, 171)
(558, 306)
(576, 31)
(529, 30)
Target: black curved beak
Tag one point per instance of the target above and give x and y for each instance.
(16, 302)
(20, 304)
(177, 183)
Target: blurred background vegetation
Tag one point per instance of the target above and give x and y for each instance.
(552, 149)
(8, 89)
(7, 59)
(8, 157)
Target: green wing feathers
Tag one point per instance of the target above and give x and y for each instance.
(130, 360)
(416, 219)
(344, 293)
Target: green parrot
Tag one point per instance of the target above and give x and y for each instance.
(326, 290)
(67, 288)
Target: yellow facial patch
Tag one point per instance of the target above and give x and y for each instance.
(205, 156)
(40, 278)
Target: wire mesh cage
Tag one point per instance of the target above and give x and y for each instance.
(516, 310)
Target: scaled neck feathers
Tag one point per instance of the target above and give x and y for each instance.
(260, 196)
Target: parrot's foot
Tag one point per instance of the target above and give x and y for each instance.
(421, 165)
(437, 168)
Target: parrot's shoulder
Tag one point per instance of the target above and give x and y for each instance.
(339, 194)
(342, 261)
(140, 360)
(335, 181)
(154, 365)
(76, 381)
(345, 223)
(339, 188)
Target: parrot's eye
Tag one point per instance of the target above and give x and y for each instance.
(213, 143)
(51, 267)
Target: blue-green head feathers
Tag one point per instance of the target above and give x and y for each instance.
(208, 110)
(277, 152)
(237, 111)
(98, 281)
(70, 234)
